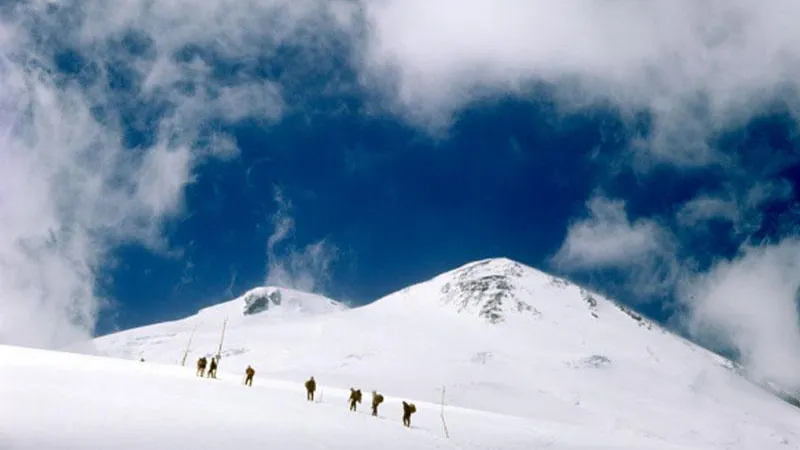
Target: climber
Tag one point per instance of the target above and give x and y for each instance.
(311, 386)
(377, 399)
(212, 368)
(408, 410)
(248, 381)
(355, 397)
(201, 366)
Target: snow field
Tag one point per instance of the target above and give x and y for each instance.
(59, 400)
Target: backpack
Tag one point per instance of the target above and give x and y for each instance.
(412, 408)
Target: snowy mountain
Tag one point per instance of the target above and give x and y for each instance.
(506, 341)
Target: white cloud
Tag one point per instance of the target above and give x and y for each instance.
(223, 147)
(698, 66)
(704, 208)
(760, 193)
(306, 269)
(739, 205)
(608, 239)
(750, 304)
(68, 190)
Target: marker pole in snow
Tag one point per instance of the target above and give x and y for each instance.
(188, 344)
(441, 414)
(221, 338)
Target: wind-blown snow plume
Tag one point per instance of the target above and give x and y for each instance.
(306, 269)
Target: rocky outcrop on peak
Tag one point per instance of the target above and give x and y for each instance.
(489, 288)
(260, 300)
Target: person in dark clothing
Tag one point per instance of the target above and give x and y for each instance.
(377, 399)
(201, 366)
(408, 410)
(311, 386)
(212, 368)
(355, 397)
(249, 372)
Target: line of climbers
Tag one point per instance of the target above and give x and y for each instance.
(311, 387)
(377, 399)
(212, 369)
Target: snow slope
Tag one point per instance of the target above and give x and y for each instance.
(58, 400)
(504, 339)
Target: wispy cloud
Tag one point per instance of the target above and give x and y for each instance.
(750, 304)
(698, 67)
(609, 240)
(306, 268)
(740, 205)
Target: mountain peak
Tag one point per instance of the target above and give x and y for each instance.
(260, 299)
(489, 288)
(500, 289)
(267, 298)
(274, 300)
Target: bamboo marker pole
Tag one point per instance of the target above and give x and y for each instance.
(221, 338)
(441, 414)
(188, 344)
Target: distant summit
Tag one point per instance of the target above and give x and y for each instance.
(264, 299)
(272, 301)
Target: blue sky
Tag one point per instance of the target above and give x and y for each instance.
(156, 162)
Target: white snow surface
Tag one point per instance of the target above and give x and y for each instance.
(528, 361)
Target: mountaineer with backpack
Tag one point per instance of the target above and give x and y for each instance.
(249, 372)
(377, 399)
(201, 366)
(355, 397)
(408, 410)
